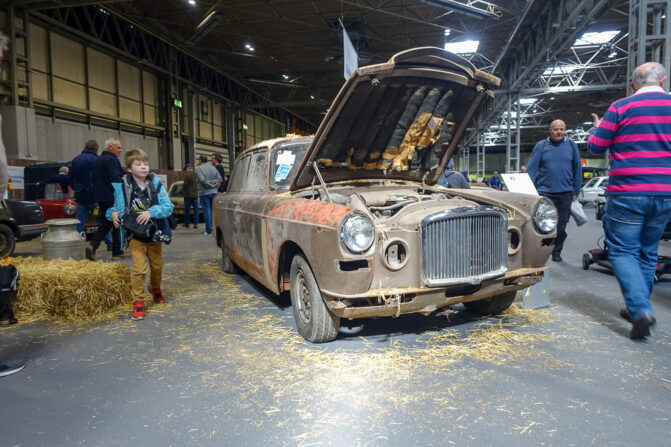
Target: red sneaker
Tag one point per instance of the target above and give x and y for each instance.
(138, 311)
(157, 294)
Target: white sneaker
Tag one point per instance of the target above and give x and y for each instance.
(205, 233)
(11, 367)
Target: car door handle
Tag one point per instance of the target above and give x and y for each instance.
(235, 203)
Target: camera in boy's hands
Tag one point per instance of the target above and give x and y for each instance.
(130, 223)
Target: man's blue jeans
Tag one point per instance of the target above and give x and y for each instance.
(83, 211)
(206, 202)
(634, 226)
(190, 202)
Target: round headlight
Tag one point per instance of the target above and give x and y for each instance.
(545, 216)
(357, 232)
(69, 209)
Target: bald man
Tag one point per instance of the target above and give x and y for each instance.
(637, 132)
(554, 168)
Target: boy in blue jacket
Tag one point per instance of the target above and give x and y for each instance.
(142, 191)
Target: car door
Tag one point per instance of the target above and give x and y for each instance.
(226, 208)
(251, 209)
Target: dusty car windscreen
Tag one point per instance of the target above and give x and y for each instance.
(284, 163)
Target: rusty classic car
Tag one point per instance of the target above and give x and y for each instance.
(352, 222)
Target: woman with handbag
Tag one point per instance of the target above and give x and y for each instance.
(141, 206)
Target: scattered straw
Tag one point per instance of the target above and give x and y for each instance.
(71, 291)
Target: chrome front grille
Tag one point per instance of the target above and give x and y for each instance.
(465, 245)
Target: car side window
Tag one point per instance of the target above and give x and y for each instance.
(257, 172)
(239, 174)
(176, 190)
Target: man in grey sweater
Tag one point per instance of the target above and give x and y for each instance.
(208, 183)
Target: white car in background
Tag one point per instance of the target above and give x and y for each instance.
(590, 192)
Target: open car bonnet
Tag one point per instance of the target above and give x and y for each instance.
(398, 120)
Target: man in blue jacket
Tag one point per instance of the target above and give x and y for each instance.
(106, 170)
(554, 168)
(81, 181)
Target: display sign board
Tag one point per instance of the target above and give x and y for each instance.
(16, 176)
(519, 183)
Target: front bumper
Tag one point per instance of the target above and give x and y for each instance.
(391, 302)
(27, 232)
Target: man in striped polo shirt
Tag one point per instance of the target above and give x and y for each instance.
(637, 132)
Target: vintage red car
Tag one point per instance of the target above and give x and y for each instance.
(352, 221)
(57, 204)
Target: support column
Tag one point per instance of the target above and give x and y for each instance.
(192, 105)
(230, 135)
(649, 36)
(480, 154)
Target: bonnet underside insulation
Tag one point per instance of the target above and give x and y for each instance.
(398, 124)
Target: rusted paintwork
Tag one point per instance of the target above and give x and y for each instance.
(276, 208)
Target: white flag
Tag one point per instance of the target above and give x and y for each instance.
(351, 57)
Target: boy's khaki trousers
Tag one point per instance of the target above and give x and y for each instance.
(140, 251)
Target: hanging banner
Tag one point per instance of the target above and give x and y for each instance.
(351, 56)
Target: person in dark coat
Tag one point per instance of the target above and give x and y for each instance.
(61, 178)
(190, 190)
(81, 181)
(106, 170)
(216, 162)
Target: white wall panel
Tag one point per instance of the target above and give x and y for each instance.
(101, 71)
(68, 58)
(38, 48)
(63, 140)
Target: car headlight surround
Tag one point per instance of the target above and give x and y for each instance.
(69, 209)
(545, 216)
(356, 232)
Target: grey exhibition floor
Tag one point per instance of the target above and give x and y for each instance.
(220, 364)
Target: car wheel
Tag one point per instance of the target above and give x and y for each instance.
(492, 306)
(313, 319)
(7, 241)
(585, 261)
(226, 264)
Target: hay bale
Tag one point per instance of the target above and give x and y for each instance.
(71, 291)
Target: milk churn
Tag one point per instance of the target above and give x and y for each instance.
(62, 240)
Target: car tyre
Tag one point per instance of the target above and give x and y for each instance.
(585, 261)
(226, 264)
(7, 241)
(493, 305)
(313, 319)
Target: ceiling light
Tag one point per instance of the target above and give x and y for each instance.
(249, 47)
(596, 38)
(559, 69)
(204, 27)
(312, 97)
(447, 31)
(192, 2)
(490, 13)
(463, 47)
(527, 101)
(286, 77)
(612, 54)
